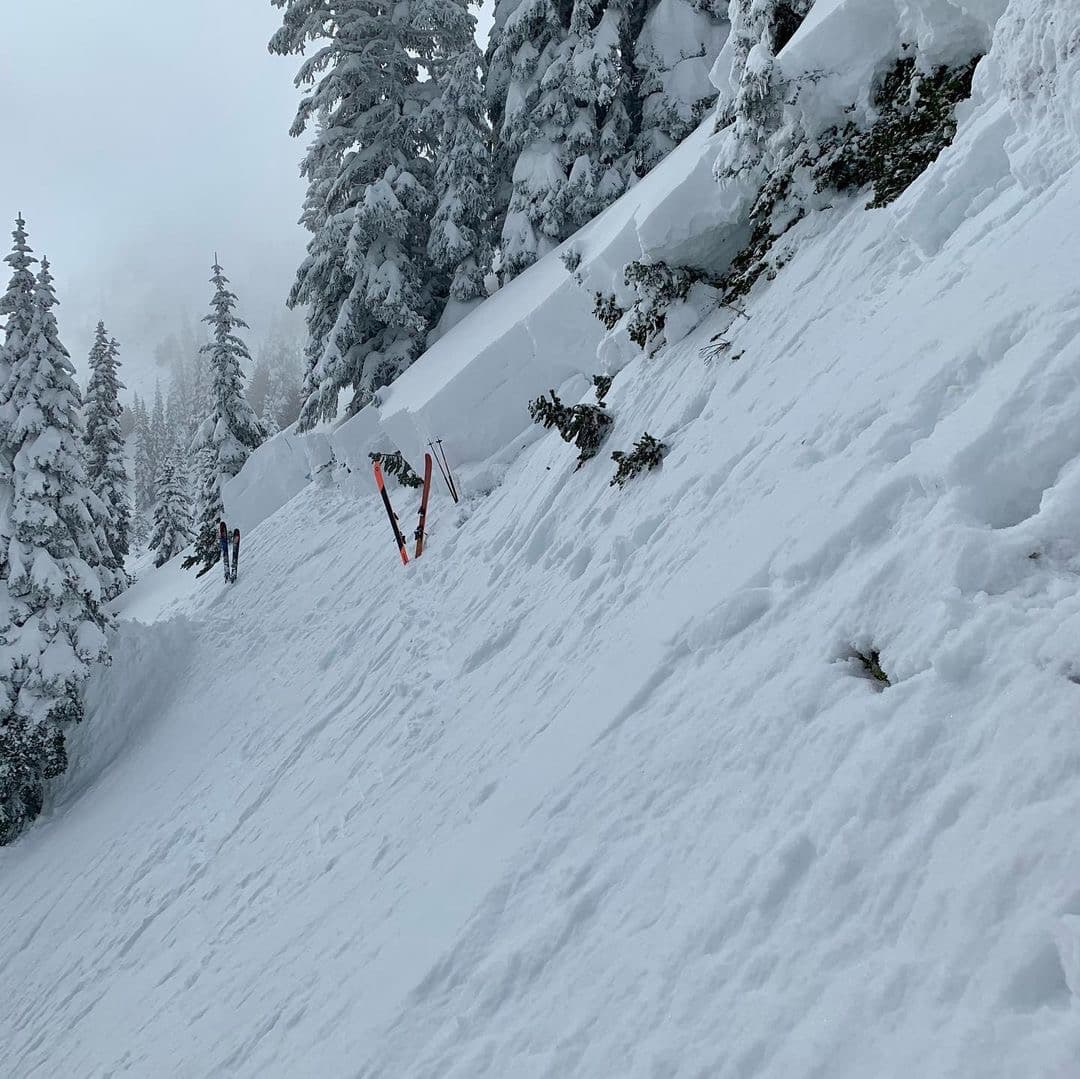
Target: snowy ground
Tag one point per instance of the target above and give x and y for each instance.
(594, 788)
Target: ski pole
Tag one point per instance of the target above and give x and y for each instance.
(443, 472)
(453, 485)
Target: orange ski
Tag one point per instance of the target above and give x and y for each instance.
(420, 534)
(398, 538)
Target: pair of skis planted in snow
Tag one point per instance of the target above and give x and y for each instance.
(420, 533)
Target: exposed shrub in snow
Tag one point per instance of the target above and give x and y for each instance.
(657, 286)
(394, 464)
(602, 383)
(916, 121)
(607, 310)
(717, 347)
(913, 120)
(586, 426)
(589, 426)
(551, 413)
(647, 453)
(871, 664)
(776, 210)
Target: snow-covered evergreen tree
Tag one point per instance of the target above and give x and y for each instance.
(158, 432)
(584, 96)
(530, 111)
(172, 515)
(140, 417)
(460, 242)
(175, 417)
(143, 470)
(231, 431)
(51, 624)
(187, 401)
(106, 469)
(273, 403)
(17, 305)
(673, 54)
(753, 100)
(366, 279)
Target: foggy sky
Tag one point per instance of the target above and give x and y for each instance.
(138, 139)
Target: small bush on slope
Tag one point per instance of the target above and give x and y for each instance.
(607, 310)
(915, 121)
(871, 664)
(657, 286)
(586, 426)
(647, 453)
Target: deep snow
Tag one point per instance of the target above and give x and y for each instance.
(594, 788)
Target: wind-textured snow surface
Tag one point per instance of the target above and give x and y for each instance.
(594, 788)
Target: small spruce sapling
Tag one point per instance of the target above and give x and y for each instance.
(551, 413)
(589, 426)
(602, 384)
(394, 464)
(871, 664)
(657, 286)
(586, 426)
(916, 121)
(646, 455)
(607, 310)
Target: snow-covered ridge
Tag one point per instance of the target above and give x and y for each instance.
(538, 332)
(596, 787)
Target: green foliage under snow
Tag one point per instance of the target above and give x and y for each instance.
(585, 426)
(646, 455)
(394, 464)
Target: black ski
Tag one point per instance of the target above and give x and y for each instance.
(399, 539)
(235, 552)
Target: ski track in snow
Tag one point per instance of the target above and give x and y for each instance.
(595, 788)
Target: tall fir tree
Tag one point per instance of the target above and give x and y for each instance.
(17, 304)
(21, 749)
(231, 431)
(143, 471)
(106, 469)
(585, 96)
(273, 403)
(323, 280)
(530, 113)
(158, 432)
(51, 623)
(674, 52)
(365, 281)
(172, 515)
(753, 100)
(461, 227)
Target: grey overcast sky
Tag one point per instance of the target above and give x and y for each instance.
(139, 139)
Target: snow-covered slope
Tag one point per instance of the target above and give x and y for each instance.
(594, 788)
